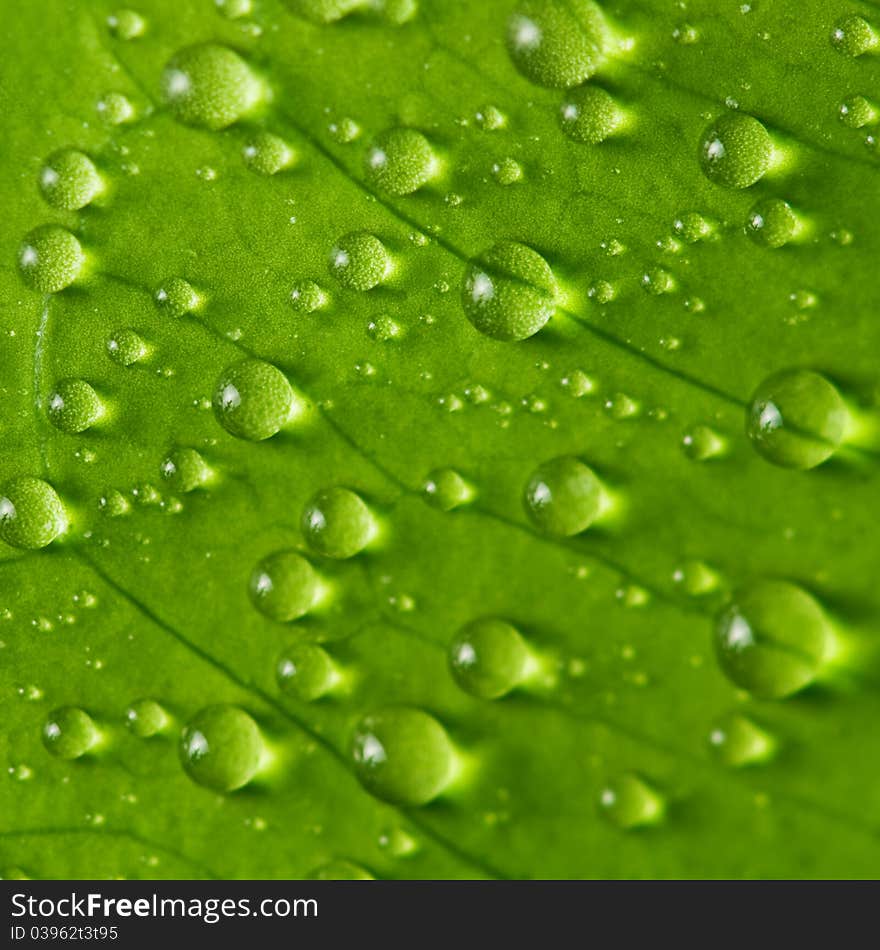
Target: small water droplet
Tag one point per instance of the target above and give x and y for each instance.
(114, 108)
(590, 115)
(856, 112)
(691, 227)
(69, 180)
(702, 443)
(126, 347)
(267, 154)
(73, 406)
(126, 24)
(629, 802)
(308, 297)
(737, 741)
(360, 261)
(445, 489)
(146, 718)
(176, 297)
(854, 36)
(507, 171)
(184, 470)
(772, 223)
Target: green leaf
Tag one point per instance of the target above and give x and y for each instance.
(440, 439)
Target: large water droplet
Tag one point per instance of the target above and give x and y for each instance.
(145, 718)
(337, 523)
(854, 36)
(773, 639)
(306, 671)
(359, 261)
(221, 748)
(564, 497)
(509, 293)
(69, 732)
(284, 586)
(126, 24)
(403, 756)
(210, 86)
(253, 400)
(50, 258)
(400, 161)
(69, 180)
(796, 419)
(557, 43)
(629, 802)
(737, 741)
(73, 406)
(488, 658)
(735, 150)
(590, 115)
(31, 513)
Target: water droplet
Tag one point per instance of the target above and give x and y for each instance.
(622, 407)
(73, 406)
(210, 86)
(253, 400)
(403, 756)
(341, 871)
(113, 504)
(69, 180)
(308, 297)
(737, 741)
(488, 658)
(773, 639)
(507, 172)
(398, 843)
(696, 578)
(857, 112)
(344, 130)
(69, 732)
(50, 258)
(337, 523)
(384, 328)
(221, 748)
(796, 419)
(658, 281)
(692, 227)
(510, 292)
(577, 384)
(490, 118)
(126, 24)
(772, 223)
(853, 36)
(359, 261)
(590, 115)
(145, 718)
(564, 497)
(445, 489)
(176, 297)
(735, 150)
(31, 513)
(400, 162)
(234, 9)
(629, 802)
(267, 154)
(184, 469)
(602, 292)
(126, 347)
(701, 443)
(557, 43)
(284, 586)
(306, 671)
(114, 108)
